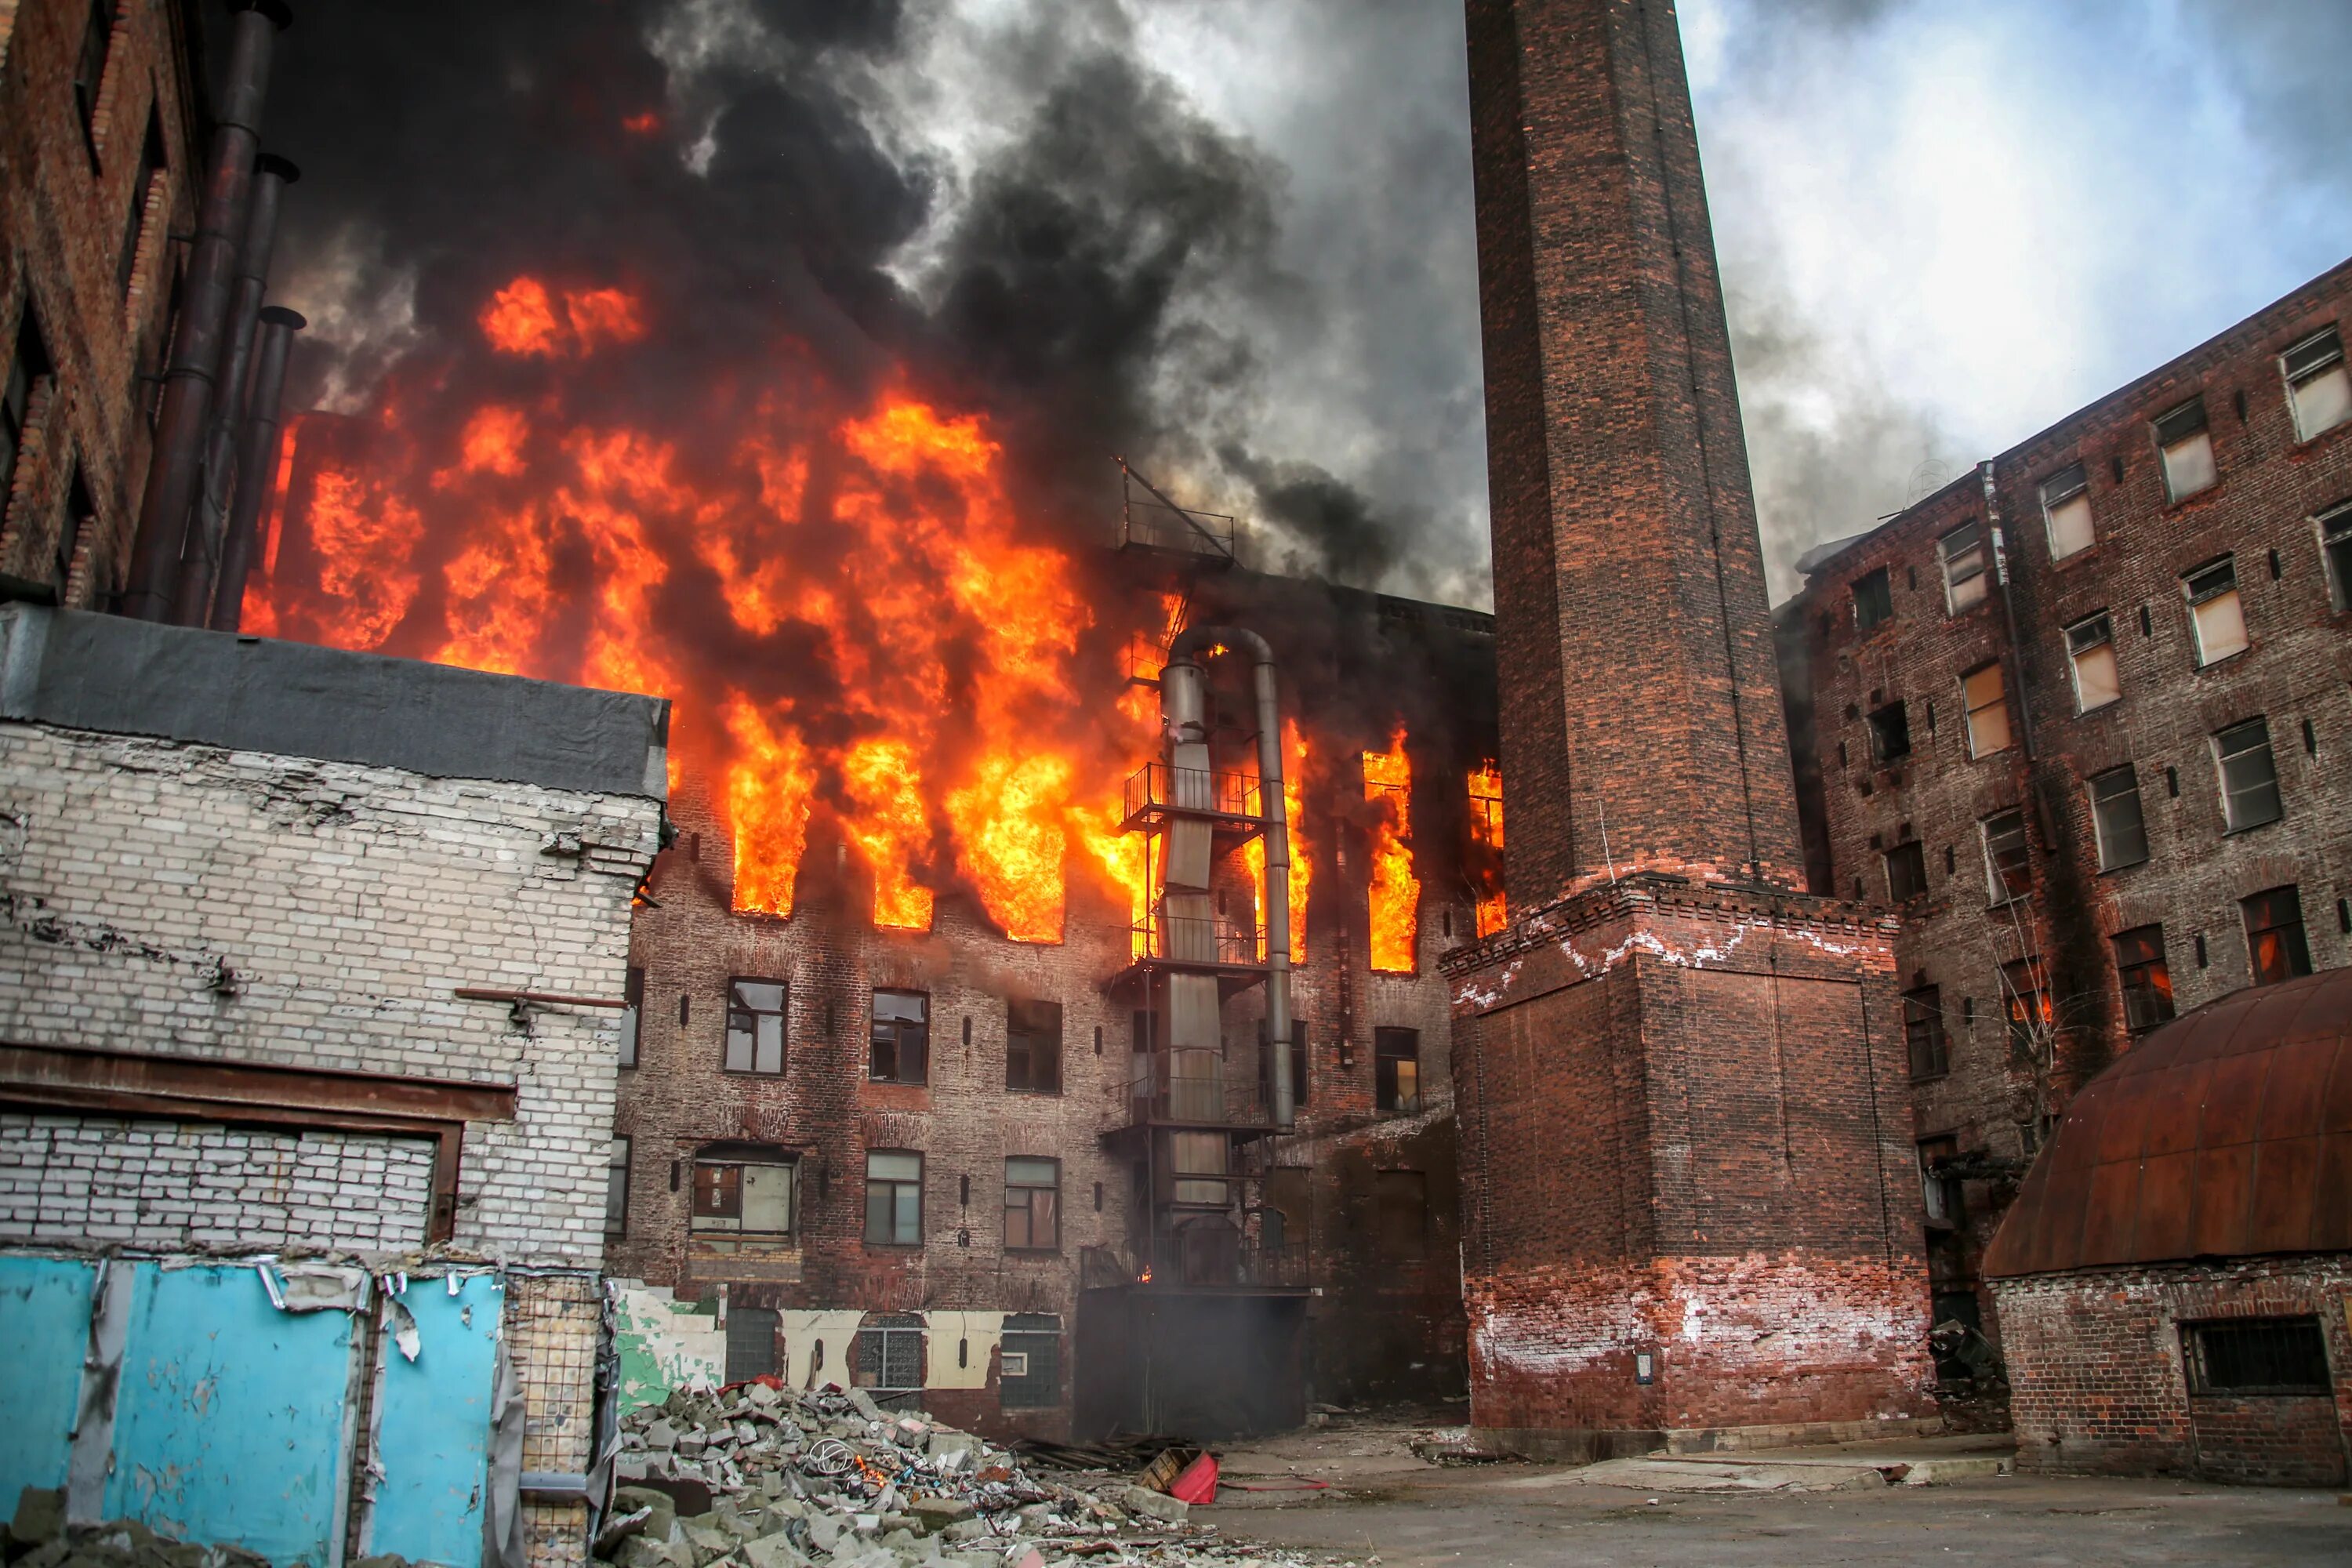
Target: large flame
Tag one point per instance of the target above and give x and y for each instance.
(1302, 870)
(1487, 831)
(1394, 895)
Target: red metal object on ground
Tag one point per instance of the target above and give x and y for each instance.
(1197, 1482)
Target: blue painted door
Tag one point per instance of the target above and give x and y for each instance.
(45, 1306)
(432, 1424)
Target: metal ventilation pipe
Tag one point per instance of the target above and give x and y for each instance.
(1183, 708)
(200, 555)
(257, 463)
(198, 343)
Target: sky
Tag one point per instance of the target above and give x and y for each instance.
(1233, 238)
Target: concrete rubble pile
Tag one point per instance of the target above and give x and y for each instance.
(37, 1536)
(826, 1480)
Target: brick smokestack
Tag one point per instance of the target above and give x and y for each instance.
(1640, 705)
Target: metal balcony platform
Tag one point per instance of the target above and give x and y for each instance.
(1157, 794)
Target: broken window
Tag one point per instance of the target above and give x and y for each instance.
(1923, 1033)
(2146, 979)
(1032, 1047)
(1033, 1203)
(1873, 601)
(2336, 550)
(1890, 734)
(2274, 939)
(633, 991)
(1400, 1216)
(2090, 650)
(2187, 450)
(742, 1192)
(902, 1037)
(1962, 555)
(2031, 1021)
(89, 66)
(894, 1198)
(1029, 1364)
(1987, 714)
(2215, 612)
(2317, 382)
(2115, 819)
(1941, 1194)
(755, 1026)
(2009, 865)
(616, 1190)
(2250, 791)
(1907, 871)
(2241, 1356)
(25, 368)
(891, 1359)
(2066, 509)
(1396, 1071)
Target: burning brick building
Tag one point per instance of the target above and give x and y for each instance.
(2072, 718)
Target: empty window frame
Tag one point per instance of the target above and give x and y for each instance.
(1961, 553)
(2091, 654)
(1396, 1069)
(2215, 612)
(2009, 864)
(2335, 527)
(2248, 775)
(1923, 1033)
(1029, 1363)
(1907, 871)
(1890, 734)
(2317, 382)
(2144, 977)
(2256, 1356)
(894, 1198)
(1874, 600)
(26, 366)
(755, 1026)
(1940, 1194)
(2186, 448)
(889, 1361)
(2066, 513)
(901, 1038)
(1033, 1205)
(2275, 947)
(616, 1190)
(1032, 1047)
(1980, 690)
(742, 1193)
(632, 990)
(2115, 819)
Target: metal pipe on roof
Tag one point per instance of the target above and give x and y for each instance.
(257, 464)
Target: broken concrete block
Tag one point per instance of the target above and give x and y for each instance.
(661, 1435)
(933, 1514)
(40, 1517)
(1153, 1505)
(773, 1552)
(640, 1551)
(662, 1507)
(951, 1448)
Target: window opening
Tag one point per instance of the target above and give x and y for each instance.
(2146, 979)
(2215, 612)
(902, 1033)
(1940, 1194)
(25, 368)
(2317, 382)
(1987, 714)
(1961, 553)
(1874, 601)
(741, 1191)
(2250, 791)
(633, 991)
(891, 1359)
(894, 1198)
(1923, 1033)
(1032, 1047)
(1396, 1069)
(2274, 940)
(1890, 734)
(1029, 1364)
(1907, 871)
(1033, 1204)
(2009, 865)
(2187, 450)
(2115, 819)
(755, 1026)
(617, 1189)
(2066, 510)
(2090, 650)
(2256, 1356)
(2336, 551)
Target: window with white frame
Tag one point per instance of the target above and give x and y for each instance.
(1981, 689)
(2249, 776)
(2187, 448)
(2336, 549)
(2009, 865)
(2115, 819)
(2215, 612)
(2090, 653)
(2318, 384)
(1962, 553)
(2066, 510)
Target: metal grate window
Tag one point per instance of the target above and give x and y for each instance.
(2255, 1356)
(1030, 1365)
(751, 1343)
(891, 1359)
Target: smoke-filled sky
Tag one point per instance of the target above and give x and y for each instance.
(1233, 238)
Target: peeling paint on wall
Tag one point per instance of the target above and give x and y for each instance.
(662, 1344)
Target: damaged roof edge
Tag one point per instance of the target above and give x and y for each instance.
(78, 670)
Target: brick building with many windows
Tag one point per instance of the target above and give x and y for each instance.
(2081, 717)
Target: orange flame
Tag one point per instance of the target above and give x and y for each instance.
(886, 784)
(1394, 895)
(1302, 869)
(521, 319)
(1486, 830)
(768, 789)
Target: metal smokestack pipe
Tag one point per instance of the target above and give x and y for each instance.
(200, 557)
(197, 345)
(257, 463)
(1184, 701)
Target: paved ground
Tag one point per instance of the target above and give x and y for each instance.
(1386, 1501)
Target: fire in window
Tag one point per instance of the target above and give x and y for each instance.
(894, 1198)
(2066, 509)
(1032, 1047)
(1923, 1033)
(2186, 448)
(902, 1034)
(2256, 1356)
(2317, 382)
(1032, 1200)
(889, 1359)
(742, 1192)
(1980, 689)
(755, 1026)
(1907, 871)
(2033, 1023)
(2146, 979)
(2216, 614)
(2009, 865)
(2091, 651)
(1396, 1071)
(1940, 1193)
(2115, 819)
(2336, 550)
(1486, 846)
(1029, 1364)
(2250, 791)
(1961, 553)
(1874, 601)
(1890, 734)
(2275, 946)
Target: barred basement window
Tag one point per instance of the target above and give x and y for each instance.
(2115, 819)
(2187, 450)
(1923, 1032)
(755, 1026)
(1029, 1366)
(1961, 553)
(1874, 602)
(1907, 871)
(2215, 612)
(2066, 510)
(2090, 650)
(2256, 1356)
(2146, 980)
(2317, 382)
(1987, 714)
(891, 1359)
(2275, 947)
(2336, 549)
(2250, 792)
(2009, 865)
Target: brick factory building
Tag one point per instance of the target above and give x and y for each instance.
(2078, 719)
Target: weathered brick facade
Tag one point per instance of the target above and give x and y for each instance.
(1970, 965)
(99, 178)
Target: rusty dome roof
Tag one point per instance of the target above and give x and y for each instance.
(2226, 1133)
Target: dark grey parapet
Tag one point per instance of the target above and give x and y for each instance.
(84, 671)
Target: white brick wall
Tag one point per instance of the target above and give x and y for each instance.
(349, 902)
(174, 1186)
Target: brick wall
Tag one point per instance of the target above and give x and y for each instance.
(2098, 1383)
(170, 1186)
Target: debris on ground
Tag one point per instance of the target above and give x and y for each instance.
(37, 1536)
(762, 1475)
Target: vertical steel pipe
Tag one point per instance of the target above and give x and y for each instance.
(257, 463)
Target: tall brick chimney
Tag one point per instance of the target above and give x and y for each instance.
(1691, 1202)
